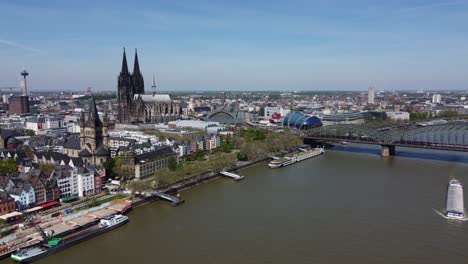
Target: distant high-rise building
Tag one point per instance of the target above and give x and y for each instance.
(223, 97)
(370, 95)
(20, 104)
(455, 200)
(436, 99)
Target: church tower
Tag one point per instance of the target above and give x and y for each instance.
(94, 137)
(138, 83)
(125, 92)
(105, 130)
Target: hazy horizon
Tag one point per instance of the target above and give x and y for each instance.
(260, 45)
(182, 91)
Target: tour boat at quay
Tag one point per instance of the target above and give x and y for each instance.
(296, 157)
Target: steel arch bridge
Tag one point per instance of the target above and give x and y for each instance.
(449, 136)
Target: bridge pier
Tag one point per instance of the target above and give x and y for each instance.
(387, 150)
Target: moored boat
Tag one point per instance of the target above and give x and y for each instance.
(295, 157)
(54, 245)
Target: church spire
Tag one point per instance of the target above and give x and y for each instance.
(138, 83)
(124, 63)
(136, 66)
(93, 110)
(93, 119)
(153, 85)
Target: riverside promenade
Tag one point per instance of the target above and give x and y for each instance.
(196, 180)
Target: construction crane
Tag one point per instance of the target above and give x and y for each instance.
(9, 88)
(30, 219)
(42, 233)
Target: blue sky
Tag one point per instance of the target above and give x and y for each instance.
(237, 45)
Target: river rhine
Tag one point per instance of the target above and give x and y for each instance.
(341, 207)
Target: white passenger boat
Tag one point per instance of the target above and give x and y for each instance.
(291, 159)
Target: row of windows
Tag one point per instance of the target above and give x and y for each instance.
(8, 208)
(152, 167)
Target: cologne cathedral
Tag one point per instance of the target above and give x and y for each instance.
(134, 106)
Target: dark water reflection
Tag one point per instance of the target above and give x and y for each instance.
(440, 155)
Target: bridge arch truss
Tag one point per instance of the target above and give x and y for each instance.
(451, 135)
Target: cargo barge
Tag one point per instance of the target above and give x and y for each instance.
(54, 245)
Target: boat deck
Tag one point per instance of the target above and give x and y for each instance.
(120, 205)
(82, 220)
(60, 228)
(102, 213)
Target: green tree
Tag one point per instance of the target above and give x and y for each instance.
(122, 167)
(8, 166)
(109, 166)
(448, 114)
(226, 145)
(29, 132)
(242, 156)
(199, 154)
(28, 151)
(172, 164)
(47, 169)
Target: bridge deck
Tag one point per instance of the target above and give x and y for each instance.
(450, 147)
(452, 135)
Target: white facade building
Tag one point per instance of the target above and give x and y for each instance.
(139, 136)
(371, 95)
(184, 150)
(436, 99)
(86, 184)
(73, 128)
(270, 110)
(68, 184)
(41, 124)
(24, 197)
(209, 127)
(71, 182)
(214, 142)
(398, 115)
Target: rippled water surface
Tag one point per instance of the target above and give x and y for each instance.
(343, 207)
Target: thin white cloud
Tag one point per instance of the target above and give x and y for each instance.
(434, 5)
(18, 46)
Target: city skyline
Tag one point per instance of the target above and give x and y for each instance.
(247, 45)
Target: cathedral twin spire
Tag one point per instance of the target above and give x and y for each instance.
(136, 66)
(124, 64)
(138, 86)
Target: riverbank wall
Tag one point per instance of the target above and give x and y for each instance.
(196, 180)
(207, 176)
